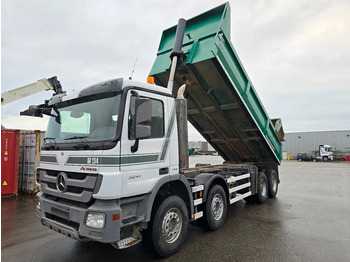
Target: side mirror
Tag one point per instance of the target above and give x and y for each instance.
(35, 111)
(143, 116)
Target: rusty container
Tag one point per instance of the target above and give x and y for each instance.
(29, 159)
(10, 144)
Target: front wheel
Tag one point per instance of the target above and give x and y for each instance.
(169, 227)
(215, 208)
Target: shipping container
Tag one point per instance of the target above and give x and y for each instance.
(29, 159)
(10, 141)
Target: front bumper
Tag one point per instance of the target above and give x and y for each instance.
(70, 220)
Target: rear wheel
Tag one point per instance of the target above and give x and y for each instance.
(272, 179)
(261, 195)
(215, 208)
(168, 228)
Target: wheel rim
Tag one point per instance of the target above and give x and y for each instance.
(172, 225)
(263, 187)
(217, 207)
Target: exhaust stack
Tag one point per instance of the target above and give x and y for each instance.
(176, 53)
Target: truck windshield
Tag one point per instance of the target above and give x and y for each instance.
(87, 119)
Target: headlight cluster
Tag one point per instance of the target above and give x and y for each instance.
(95, 220)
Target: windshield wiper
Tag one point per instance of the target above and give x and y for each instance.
(82, 139)
(52, 141)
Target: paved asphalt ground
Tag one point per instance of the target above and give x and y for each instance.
(309, 220)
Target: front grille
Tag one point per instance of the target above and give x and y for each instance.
(73, 175)
(72, 189)
(78, 186)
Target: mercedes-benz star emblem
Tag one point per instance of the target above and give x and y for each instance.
(61, 183)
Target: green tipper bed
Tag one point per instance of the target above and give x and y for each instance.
(222, 102)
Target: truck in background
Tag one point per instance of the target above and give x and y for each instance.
(325, 153)
(114, 165)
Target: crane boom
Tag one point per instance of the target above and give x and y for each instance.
(30, 89)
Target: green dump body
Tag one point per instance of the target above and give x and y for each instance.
(222, 102)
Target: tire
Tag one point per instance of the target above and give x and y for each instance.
(215, 208)
(314, 160)
(262, 193)
(299, 159)
(272, 179)
(168, 228)
(325, 159)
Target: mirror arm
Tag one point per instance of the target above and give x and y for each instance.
(134, 93)
(135, 147)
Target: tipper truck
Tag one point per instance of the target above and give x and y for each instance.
(114, 165)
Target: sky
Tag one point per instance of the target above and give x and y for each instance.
(296, 53)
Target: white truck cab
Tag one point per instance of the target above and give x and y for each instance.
(103, 146)
(326, 153)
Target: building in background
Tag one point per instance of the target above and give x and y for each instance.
(308, 142)
(200, 145)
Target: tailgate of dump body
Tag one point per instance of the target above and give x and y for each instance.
(222, 102)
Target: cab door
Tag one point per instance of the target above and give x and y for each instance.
(144, 162)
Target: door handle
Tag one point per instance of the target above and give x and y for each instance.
(163, 171)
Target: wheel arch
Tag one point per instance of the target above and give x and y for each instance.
(165, 188)
(209, 180)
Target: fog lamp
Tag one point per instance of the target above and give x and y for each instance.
(95, 220)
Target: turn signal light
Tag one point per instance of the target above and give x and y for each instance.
(150, 80)
(116, 217)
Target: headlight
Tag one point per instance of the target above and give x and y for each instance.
(95, 220)
(38, 206)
